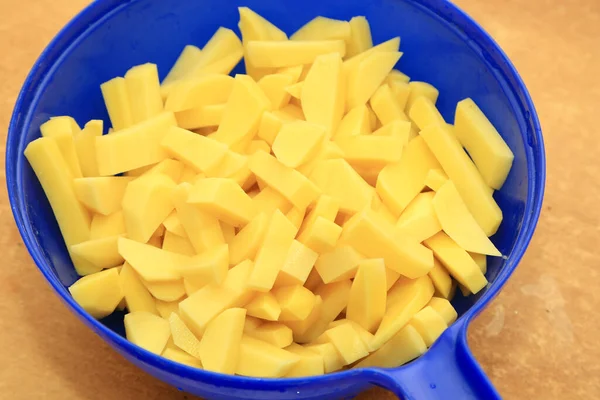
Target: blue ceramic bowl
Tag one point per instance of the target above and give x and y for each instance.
(442, 45)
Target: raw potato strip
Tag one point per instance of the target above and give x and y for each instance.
(54, 176)
(459, 224)
(461, 170)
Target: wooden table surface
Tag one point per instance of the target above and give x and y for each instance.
(537, 340)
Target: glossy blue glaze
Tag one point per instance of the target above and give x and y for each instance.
(442, 45)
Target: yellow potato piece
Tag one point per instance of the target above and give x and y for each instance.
(360, 36)
(365, 336)
(134, 147)
(228, 231)
(173, 224)
(391, 45)
(147, 330)
(336, 178)
(181, 357)
(166, 291)
(172, 168)
(102, 253)
(480, 260)
(246, 242)
(272, 253)
(205, 304)
(101, 194)
(296, 188)
(153, 265)
(295, 90)
(298, 263)
(418, 89)
(242, 113)
(85, 144)
(116, 99)
(64, 130)
(223, 198)
(371, 151)
(399, 183)
(355, 122)
(275, 54)
(400, 89)
(136, 295)
(423, 113)
(188, 174)
(296, 302)
(375, 238)
(146, 203)
(206, 90)
(397, 76)
(461, 170)
(235, 167)
(404, 346)
(252, 323)
(310, 364)
(275, 333)
(220, 346)
(322, 28)
(98, 293)
(208, 267)
(435, 178)
(269, 127)
(190, 55)
(367, 76)
(419, 220)
(222, 45)
(326, 207)
(290, 113)
(197, 151)
(103, 226)
(200, 117)
(430, 324)
(404, 300)
(385, 105)
(322, 236)
(261, 359)
(398, 129)
(458, 222)
(183, 338)
(367, 301)
(334, 298)
(143, 90)
(296, 216)
(264, 306)
(444, 308)
(203, 230)
(339, 264)
(347, 342)
(255, 27)
(273, 86)
(489, 151)
(457, 261)
(73, 219)
(257, 145)
(298, 142)
(323, 92)
(442, 281)
(166, 308)
(332, 360)
(329, 151)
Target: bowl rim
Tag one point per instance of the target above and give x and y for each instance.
(71, 33)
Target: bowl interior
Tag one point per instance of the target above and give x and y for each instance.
(67, 82)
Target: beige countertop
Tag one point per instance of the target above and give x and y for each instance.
(537, 340)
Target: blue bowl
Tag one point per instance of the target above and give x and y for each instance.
(442, 45)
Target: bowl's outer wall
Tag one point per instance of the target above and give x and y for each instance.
(142, 31)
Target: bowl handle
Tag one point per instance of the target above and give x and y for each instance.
(447, 371)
